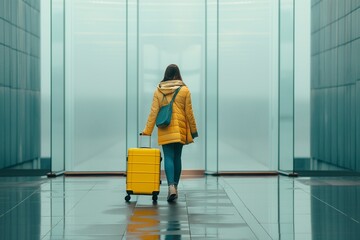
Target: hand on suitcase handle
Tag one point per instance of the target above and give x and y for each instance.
(141, 135)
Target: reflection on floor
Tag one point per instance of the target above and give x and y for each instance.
(275, 207)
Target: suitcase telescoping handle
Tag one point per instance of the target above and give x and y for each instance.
(142, 136)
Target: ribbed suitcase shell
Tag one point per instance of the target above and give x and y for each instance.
(143, 171)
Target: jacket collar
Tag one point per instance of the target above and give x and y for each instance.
(168, 87)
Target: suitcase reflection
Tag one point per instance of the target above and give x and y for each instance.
(150, 223)
(144, 224)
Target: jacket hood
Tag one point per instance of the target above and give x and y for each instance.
(168, 87)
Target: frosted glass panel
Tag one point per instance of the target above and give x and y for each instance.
(57, 86)
(95, 85)
(211, 163)
(173, 32)
(286, 87)
(247, 77)
(45, 79)
(302, 79)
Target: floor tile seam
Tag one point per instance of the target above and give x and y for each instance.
(249, 212)
(187, 214)
(338, 210)
(187, 209)
(304, 190)
(244, 205)
(355, 220)
(51, 228)
(301, 185)
(16, 205)
(77, 203)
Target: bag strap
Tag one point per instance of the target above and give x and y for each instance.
(175, 93)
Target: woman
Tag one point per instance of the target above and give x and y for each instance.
(182, 128)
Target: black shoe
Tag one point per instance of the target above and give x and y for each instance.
(172, 193)
(171, 198)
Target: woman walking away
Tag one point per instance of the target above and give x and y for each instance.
(182, 128)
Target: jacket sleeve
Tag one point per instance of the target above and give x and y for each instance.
(155, 106)
(190, 115)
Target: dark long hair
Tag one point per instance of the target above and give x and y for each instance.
(172, 72)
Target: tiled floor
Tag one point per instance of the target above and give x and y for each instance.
(208, 208)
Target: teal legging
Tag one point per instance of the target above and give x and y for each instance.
(172, 155)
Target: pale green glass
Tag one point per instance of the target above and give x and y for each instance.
(45, 79)
(302, 79)
(57, 87)
(247, 85)
(211, 164)
(132, 75)
(286, 86)
(95, 85)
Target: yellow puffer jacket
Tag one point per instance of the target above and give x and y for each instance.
(182, 127)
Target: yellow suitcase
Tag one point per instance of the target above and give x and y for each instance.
(143, 172)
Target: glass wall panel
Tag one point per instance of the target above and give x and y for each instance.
(132, 76)
(302, 47)
(20, 88)
(95, 85)
(212, 47)
(173, 32)
(57, 86)
(247, 82)
(327, 39)
(45, 81)
(286, 86)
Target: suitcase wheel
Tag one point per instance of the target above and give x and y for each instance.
(154, 198)
(127, 198)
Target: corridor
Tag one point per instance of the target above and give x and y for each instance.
(208, 207)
